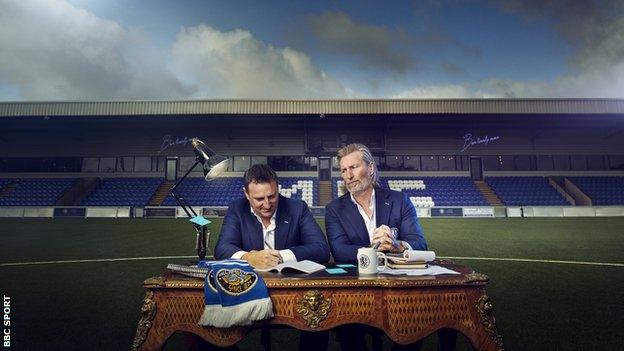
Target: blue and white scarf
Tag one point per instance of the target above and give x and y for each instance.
(234, 295)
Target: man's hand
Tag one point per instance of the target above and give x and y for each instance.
(387, 240)
(263, 259)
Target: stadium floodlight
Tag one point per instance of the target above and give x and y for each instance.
(213, 165)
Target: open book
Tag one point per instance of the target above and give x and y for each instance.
(305, 266)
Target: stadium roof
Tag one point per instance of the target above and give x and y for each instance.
(276, 107)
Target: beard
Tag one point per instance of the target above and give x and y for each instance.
(360, 186)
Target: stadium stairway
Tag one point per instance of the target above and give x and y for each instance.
(559, 183)
(161, 193)
(487, 192)
(78, 192)
(325, 192)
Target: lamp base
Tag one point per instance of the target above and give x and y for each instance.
(202, 242)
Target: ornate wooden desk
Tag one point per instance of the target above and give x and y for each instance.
(406, 308)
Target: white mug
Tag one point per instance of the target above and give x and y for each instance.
(369, 260)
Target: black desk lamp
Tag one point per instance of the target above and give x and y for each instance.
(213, 165)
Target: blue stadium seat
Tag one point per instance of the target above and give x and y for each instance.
(443, 191)
(35, 191)
(525, 191)
(603, 190)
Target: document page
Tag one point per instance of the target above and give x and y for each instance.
(431, 270)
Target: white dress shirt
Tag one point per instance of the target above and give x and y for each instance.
(371, 223)
(268, 236)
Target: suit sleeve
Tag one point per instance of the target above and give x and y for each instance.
(230, 238)
(313, 245)
(342, 248)
(410, 230)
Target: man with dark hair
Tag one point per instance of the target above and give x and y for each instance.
(265, 228)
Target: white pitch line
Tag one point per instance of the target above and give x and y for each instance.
(176, 257)
(94, 260)
(539, 261)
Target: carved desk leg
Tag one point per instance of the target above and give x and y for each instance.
(492, 340)
(148, 312)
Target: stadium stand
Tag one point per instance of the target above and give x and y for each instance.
(4, 182)
(302, 188)
(525, 191)
(123, 192)
(198, 192)
(431, 191)
(34, 191)
(602, 190)
(423, 191)
(410, 136)
(222, 191)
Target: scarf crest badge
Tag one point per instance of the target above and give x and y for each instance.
(234, 294)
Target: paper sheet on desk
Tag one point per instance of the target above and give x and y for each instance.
(431, 270)
(417, 255)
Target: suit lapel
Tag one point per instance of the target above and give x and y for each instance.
(257, 239)
(383, 206)
(282, 224)
(355, 219)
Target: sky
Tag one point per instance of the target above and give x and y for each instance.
(57, 50)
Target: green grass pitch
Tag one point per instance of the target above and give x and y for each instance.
(538, 306)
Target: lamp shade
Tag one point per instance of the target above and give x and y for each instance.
(213, 164)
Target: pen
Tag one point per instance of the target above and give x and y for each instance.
(375, 245)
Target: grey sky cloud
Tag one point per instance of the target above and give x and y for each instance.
(440, 38)
(591, 83)
(377, 46)
(452, 69)
(236, 65)
(52, 50)
(594, 27)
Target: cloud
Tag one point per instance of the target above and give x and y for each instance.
(53, 50)
(452, 69)
(377, 46)
(236, 65)
(592, 83)
(450, 91)
(439, 38)
(594, 27)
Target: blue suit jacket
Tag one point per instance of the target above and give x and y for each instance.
(347, 232)
(295, 229)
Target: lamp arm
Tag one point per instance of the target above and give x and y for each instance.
(180, 200)
(202, 231)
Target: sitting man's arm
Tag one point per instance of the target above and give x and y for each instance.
(263, 258)
(387, 240)
(230, 244)
(230, 240)
(410, 230)
(341, 246)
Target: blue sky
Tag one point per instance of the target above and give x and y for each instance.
(125, 49)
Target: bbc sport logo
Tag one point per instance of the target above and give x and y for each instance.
(6, 337)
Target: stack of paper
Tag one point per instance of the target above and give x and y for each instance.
(431, 270)
(410, 259)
